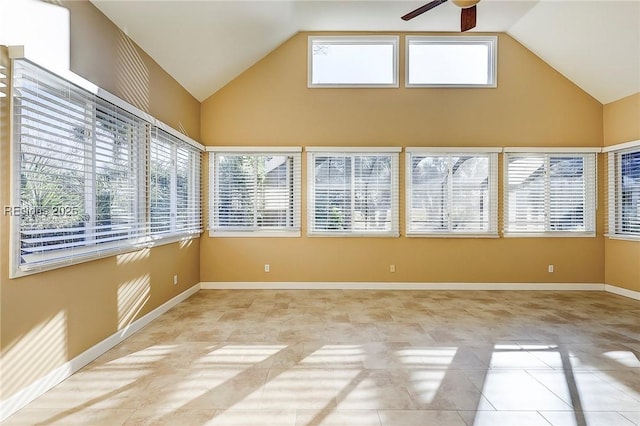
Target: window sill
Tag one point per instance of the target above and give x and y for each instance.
(450, 235)
(253, 234)
(549, 235)
(353, 235)
(632, 238)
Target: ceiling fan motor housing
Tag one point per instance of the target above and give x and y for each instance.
(465, 3)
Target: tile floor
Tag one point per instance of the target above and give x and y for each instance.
(365, 358)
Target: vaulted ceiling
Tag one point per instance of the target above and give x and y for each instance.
(206, 44)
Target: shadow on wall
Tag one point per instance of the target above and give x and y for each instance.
(133, 74)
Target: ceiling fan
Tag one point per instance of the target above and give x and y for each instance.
(467, 14)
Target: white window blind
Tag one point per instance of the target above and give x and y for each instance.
(254, 193)
(550, 193)
(353, 193)
(175, 199)
(623, 188)
(452, 193)
(80, 173)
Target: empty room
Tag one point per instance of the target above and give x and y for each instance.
(320, 212)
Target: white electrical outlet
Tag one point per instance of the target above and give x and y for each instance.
(266, 267)
(550, 268)
(175, 279)
(392, 268)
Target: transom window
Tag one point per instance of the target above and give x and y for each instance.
(254, 192)
(364, 61)
(624, 191)
(452, 193)
(550, 193)
(443, 61)
(353, 191)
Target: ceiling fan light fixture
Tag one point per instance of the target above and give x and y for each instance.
(465, 3)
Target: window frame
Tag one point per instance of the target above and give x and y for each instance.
(590, 183)
(393, 40)
(392, 152)
(614, 188)
(98, 105)
(189, 208)
(292, 231)
(492, 60)
(491, 153)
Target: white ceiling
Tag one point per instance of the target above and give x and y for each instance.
(205, 44)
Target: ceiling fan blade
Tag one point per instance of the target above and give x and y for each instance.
(467, 18)
(422, 9)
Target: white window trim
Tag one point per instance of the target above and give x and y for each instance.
(394, 40)
(255, 149)
(493, 190)
(544, 152)
(552, 150)
(256, 233)
(491, 41)
(622, 146)
(452, 150)
(354, 151)
(338, 150)
(612, 152)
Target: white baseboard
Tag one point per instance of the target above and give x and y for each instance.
(40, 386)
(396, 286)
(622, 291)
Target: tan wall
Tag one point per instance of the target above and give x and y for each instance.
(49, 318)
(622, 258)
(533, 105)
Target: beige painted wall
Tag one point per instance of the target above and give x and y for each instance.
(533, 105)
(49, 318)
(622, 258)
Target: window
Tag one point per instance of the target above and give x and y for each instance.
(452, 193)
(254, 193)
(462, 61)
(175, 204)
(79, 173)
(550, 193)
(363, 61)
(623, 187)
(353, 191)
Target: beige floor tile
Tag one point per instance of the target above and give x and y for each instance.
(420, 418)
(570, 418)
(510, 356)
(365, 357)
(445, 390)
(240, 417)
(633, 416)
(170, 417)
(70, 417)
(299, 388)
(503, 418)
(331, 417)
(587, 392)
(373, 389)
(516, 390)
